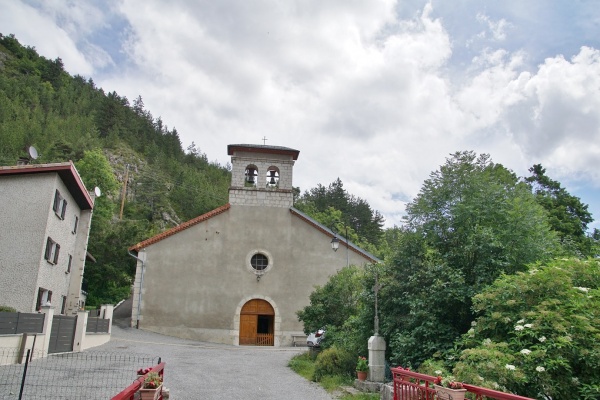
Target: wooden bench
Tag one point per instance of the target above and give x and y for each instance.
(299, 340)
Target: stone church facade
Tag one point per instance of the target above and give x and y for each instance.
(238, 274)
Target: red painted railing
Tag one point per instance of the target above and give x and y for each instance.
(410, 385)
(129, 392)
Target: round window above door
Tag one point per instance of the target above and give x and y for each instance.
(259, 262)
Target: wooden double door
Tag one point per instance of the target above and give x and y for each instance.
(257, 324)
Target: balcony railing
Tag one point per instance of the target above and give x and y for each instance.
(410, 385)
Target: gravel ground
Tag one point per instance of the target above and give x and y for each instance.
(199, 370)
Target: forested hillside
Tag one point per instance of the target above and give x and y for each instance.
(68, 118)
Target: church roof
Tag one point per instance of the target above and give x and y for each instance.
(180, 227)
(259, 148)
(222, 209)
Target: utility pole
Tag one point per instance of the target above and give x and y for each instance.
(124, 191)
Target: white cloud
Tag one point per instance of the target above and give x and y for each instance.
(37, 28)
(496, 28)
(363, 94)
(556, 117)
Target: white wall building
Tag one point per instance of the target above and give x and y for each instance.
(45, 215)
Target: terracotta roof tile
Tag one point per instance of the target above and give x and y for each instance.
(180, 228)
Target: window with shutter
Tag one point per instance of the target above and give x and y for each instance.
(64, 209)
(52, 251)
(57, 200)
(56, 251)
(60, 205)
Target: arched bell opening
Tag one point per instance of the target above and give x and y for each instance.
(272, 177)
(251, 175)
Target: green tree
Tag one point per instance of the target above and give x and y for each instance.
(344, 306)
(96, 171)
(357, 214)
(109, 279)
(335, 302)
(480, 219)
(472, 221)
(567, 215)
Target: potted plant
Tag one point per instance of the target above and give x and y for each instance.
(447, 388)
(152, 387)
(362, 368)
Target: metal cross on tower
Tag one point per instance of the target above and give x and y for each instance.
(264, 139)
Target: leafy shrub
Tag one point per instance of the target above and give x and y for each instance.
(334, 361)
(7, 309)
(434, 368)
(538, 334)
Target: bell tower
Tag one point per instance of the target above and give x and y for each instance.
(261, 175)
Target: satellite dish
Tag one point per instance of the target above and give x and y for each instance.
(97, 191)
(33, 153)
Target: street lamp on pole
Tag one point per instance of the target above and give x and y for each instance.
(335, 244)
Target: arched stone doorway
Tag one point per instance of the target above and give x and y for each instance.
(257, 319)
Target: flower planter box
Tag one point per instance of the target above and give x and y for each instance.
(150, 394)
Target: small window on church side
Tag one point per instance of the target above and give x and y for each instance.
(259, 262)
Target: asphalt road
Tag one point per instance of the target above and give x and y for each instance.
(199, 370)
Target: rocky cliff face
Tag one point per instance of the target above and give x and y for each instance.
(146, 187)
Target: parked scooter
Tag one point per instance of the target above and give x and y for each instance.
(315, 338)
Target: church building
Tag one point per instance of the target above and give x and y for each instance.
(239, 273)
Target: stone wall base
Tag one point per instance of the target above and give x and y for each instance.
(387, 392)
(368, 386)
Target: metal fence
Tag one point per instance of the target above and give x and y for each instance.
(97, 325)
(14, 323)
(73, 376)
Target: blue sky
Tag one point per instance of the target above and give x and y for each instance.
(377, 93)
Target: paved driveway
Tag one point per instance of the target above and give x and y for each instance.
(198, 370)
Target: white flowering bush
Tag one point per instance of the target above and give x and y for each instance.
(538, 334)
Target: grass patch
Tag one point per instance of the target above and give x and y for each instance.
(333, 382)
(304, 365)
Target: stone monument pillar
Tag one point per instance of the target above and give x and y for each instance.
(376, 359)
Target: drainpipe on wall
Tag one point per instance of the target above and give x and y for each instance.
(139, 307)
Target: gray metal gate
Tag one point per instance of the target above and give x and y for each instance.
(62, 334)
